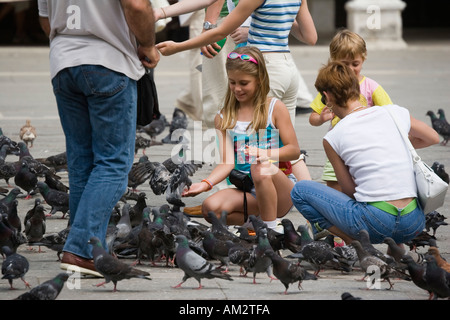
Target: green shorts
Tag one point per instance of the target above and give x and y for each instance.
(328, 172)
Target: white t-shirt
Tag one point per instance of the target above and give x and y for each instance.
(370, 144)
(90, 32)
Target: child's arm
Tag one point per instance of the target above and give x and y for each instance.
(180, 8)
(320, 113)
(303, 28)
(236, 17)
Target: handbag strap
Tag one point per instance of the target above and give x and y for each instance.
(416, 158)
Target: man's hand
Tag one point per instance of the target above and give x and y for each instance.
(149, 56)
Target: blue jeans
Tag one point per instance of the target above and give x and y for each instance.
(324, 207)
(97, 109)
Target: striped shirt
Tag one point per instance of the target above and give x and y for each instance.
(271, 25)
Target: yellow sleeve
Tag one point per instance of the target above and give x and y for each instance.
(380, 97)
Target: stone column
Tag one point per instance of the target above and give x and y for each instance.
(379, 22)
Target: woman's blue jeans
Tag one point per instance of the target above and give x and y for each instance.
(97, 109)
(324, 207)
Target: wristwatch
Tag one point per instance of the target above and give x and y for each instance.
(208, 25)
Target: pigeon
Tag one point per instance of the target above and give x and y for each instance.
(25, 156)
(434, 220)
(446, 126)
(374, 266)
(275, 238)
(398, 252)
(349, 296)
(124, 224)
(14, 266)
(239, 255)
(216, 249)
(287, 271)
(57, 162)
(147, 244)
(346, 256)
(437, 279)
(141, 143)
(194, 265)
(58, 200)
(27, 133)
(7, 202)
(140, 172)
(4, 140)
(177, 127)
(442, 173)
(154, 128)
(136, 211)
(49, 290)
(112, 268)
(291, 240)
(317, 253)
(441, 262)
(26, 179)
(36, 226)
(8, 170)
(220, 230)
(31, 211)
(178, 182)
(417, 273)
(9, 236)
(13, 217)
(55, 241)
(422, 240)
(441, 126)
(259, 261)
(54, 182)
(364, 239)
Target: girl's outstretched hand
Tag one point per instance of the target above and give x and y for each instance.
(195, 189)
(167, 48)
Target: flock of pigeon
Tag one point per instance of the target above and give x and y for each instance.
(166, 235)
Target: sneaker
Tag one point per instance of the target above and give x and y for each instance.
(72, 262)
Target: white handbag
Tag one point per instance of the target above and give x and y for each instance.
(431, 189)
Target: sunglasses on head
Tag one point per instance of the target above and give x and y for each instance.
(243, 57)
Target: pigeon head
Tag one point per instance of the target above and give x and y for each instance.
(181, 240)
(61, 278)
(95, 242)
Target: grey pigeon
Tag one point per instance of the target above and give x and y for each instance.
(437, 279)
(433, 220)
(140, 172)
(57, 200)
(374, 266)
(216, 249)
(49, 290)
(26, 179)
(417, 273)
(36, 225)
(441, 126)
(220, 230)
(179, 122)
(141, 143)
(57, 162)
(112, 268)
(346, 256)
(349, 296)
(291, 240)
(124, 224)
(287, 271)
(55, 241)
(194, 265)
(259, 261)
(136, 211)
(15, 266)
(317, 253)
(445, 132)
(154, 128)
(364, 239)
(239, 255)
(7, 202)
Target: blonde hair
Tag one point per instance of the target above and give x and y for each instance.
(347, 44)
(338, 79)
(259, 71)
